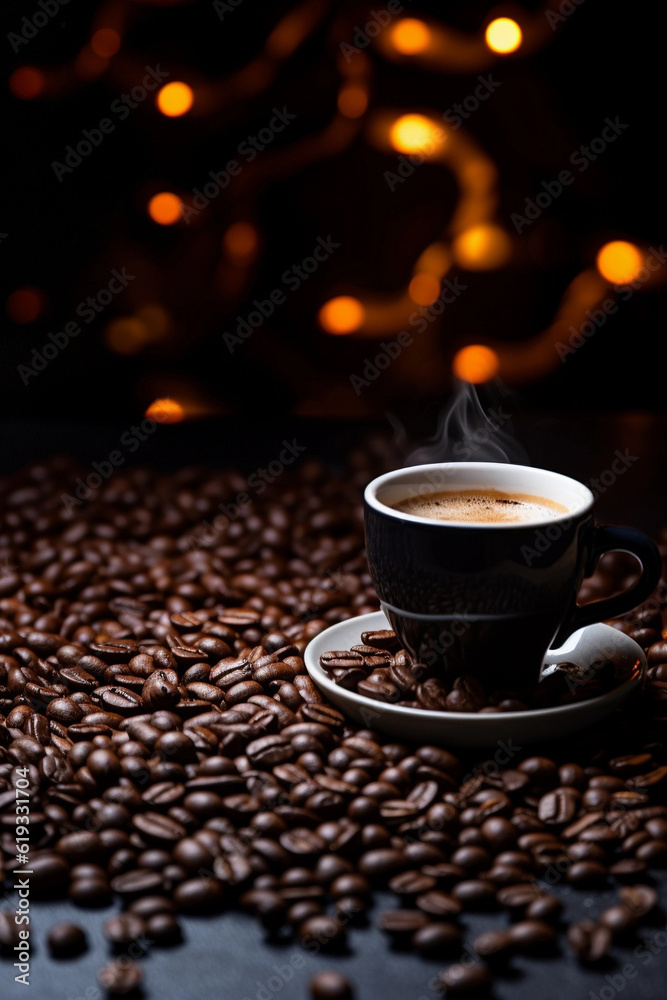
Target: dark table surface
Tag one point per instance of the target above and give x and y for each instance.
(229, 957)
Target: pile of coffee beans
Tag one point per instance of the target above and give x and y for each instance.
(380, 669)
(180, 759)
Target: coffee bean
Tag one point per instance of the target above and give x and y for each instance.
(197, 895)
(330, 985)
(66, 940)
(436, 939)
(532, 936)
(322, 930)
(120, 978)
(9, 931)
(402, 924)
(123, 929)
(466, 980)
(163, 929)
(638, 899)
(590, 942)
(493, 945)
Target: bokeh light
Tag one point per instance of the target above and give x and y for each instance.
(341, 315)
(475, 363)
(503, 35)
(126, 335)
(482, 247)
(165, 208)
(156, 320)
(424, 289)
(175, 99)
(25, 304)
(352, 101)
(166, 411)
(410, 36)
(415, 134)
(105, 42)
(27, 82)
(619, 262)
(241, 241)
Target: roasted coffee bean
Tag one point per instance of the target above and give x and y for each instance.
(436, 939)
(163, 929)
(341, 660)
(465, 980)
(590, 942)
(532, 936)
(330, 985)
(638, 899)
(123, 929)
(620, 919)
(494, 945)
(120, 978)
(322, 930)
(66, 940)
(402, 924)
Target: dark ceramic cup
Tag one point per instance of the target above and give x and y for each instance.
(490, 599)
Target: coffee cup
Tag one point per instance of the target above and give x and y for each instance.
(488, 596)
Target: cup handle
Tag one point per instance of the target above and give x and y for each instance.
(609, 538)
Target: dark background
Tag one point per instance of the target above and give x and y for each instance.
(64, 238)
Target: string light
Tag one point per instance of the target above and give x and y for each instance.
(482, 248)
(415, 134)
(165, 411)
(25, 305)
(424, 289)
(619, 262)
(165, 208)
(105, 42)
(126, 335)
(175, 99)
(241, 241)
(475, 363)
(341, 315)
(503, 35)
(410, 36)
(27, 82)
(352, 101)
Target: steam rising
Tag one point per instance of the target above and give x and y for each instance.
(468, 433)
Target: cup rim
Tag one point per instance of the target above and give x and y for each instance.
(370, 496)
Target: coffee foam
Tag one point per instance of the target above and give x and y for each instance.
(481, 507)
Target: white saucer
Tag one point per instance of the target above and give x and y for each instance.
(469, 729)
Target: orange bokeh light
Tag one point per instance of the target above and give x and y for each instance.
(410, 36)
(165, 411)
(475, 363)
(27, 82)
(105, 42)
(175, 99)
(126, 335)
(165, 208)
(25, 304)
(424, 289)
(482, 247)
(619, 262)
(241, 241)
(352, 101)
(503, 35)
(341, 315)
(415, 134)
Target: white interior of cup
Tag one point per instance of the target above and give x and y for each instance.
(393, 487)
